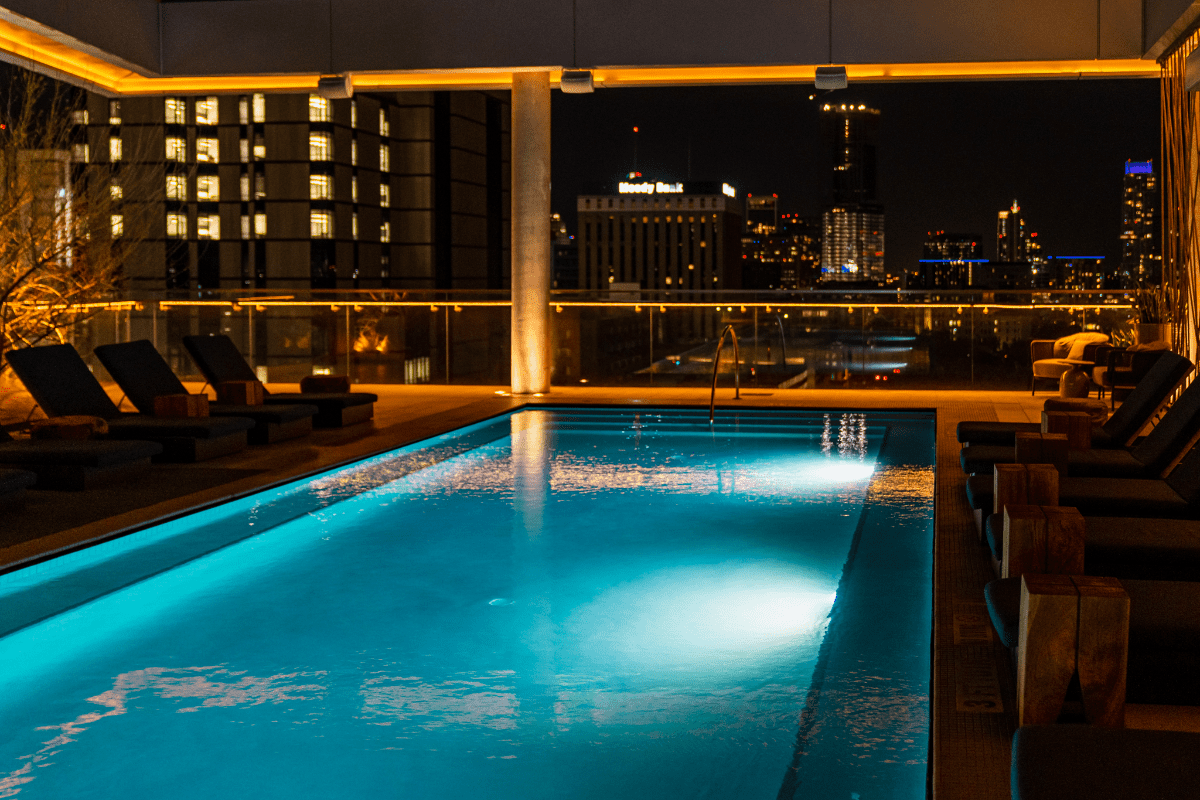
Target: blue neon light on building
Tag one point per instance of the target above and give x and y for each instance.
(1139, 167)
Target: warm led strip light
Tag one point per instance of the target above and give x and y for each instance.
(58, 56)
(558, 306)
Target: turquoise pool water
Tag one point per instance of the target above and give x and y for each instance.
(558, 603)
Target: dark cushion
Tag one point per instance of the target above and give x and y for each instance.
(140, 371)
(60, 382)
(276, 413)
(1001, 433)
(1150, 393)
(978, 459)
(325, 399)
(136, 426)
(86, 453)
(1111, 497)
(1080, 762)
(14, 480)
(219, 359)
(1163, 615)
(1177, 428)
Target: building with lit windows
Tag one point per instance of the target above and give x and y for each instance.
(295, 191)
(660, 235)
(852, 235)
(762, 213)
(948, 261)
(1073, 272)
(1012, 240)
(1141, 249)
(787, 258)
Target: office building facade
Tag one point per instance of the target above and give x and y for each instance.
(853, 220)
(947, 261)
(1141, 248)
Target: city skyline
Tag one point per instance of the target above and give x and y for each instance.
(951, 155)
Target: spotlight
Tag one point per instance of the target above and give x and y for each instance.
(830, 78)
(335, 87)
(576, 81)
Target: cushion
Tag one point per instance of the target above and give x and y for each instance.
(136, 426)
(14, 480)
(1080, 343)
(277, 414)
(140, 371)
(61, 382)
(1149, 549)
(1148, 347)
(1100, 496)
(1051, 367)
(325, 399)
(77, 453)
(1005, 433)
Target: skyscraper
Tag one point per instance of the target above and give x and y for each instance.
(852, 248)
(947, 261)
(1141, 250)
(1012, 242)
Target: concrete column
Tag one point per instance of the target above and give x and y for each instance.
(532, 255)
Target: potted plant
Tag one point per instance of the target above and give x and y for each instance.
(1153, 314)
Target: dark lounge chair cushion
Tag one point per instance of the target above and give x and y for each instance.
(140, 371)
(137, 426)
(60, 382)
(1163, 615)
(324, 399)
(278, 414)
(978, 459)
(1081, 762)
(77, 453)
(998, 433)
(1110, 497)
(14, 480)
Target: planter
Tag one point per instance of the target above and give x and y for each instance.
(1147, 332)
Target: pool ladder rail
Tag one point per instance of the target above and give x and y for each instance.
(737, 369)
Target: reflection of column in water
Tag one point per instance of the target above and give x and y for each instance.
(852, 436)
(827, 437)
(531, 445)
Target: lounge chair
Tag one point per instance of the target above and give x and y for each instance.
(64, 386)
(74, 465)
(13, 483)
(219, 360)
(143, 375)
(1081, 762)
(1164, 636)
(1149, 458)
(1121, 427)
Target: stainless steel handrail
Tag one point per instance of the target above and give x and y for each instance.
(737, 369)
(782, 340)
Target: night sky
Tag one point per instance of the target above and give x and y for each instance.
(951, 155)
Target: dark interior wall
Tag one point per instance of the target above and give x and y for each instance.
(1163, 17)
(127, 29)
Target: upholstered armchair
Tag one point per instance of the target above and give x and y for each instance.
(1052, 357)
(1119, 369)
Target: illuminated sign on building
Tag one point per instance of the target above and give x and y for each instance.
(1139, 167)
(624, 187)
(729, 190)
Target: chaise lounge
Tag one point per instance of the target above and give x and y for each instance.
(77, 464)
(64, 386)
(13, 483)
(220, 362)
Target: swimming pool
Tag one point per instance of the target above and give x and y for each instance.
(557, 603)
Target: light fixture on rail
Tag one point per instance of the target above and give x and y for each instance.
(830, 78)
(576, 81)
(335, 87)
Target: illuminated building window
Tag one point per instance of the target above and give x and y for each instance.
(206, 111)
(385, 159)
(385, 195)
(175, 110)
(385, 231)
(177, 187)
(208, 151)
(318, 108)
(354, 152)
(80, 117)
(321, 224)
(384, 126)
(177, 226)
(208, 226)
(244, 185)
(116, 191)
(260, 224)
(114, 112)
(208, 187)
(117, 222)
(353, 188)
(320, 147)
(80, 153)
(260, 186)
(320, 187)
(259, 104)
(354, 225)
(244, 150)
(353, 113)
(245, 226)
(176, 148)
(244, 110)
(260, 146)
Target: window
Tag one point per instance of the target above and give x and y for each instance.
(353, 188)
(208, 151)
(260, 224)
(385, 195)
(244, 150)
(244, 185)
(245, 226)
(320, 147)
(115, 190)
(384, 127)
(320, 187)
(208, 187)
(114, 112)
(260, 146)
(177, 187)
(385, 231)
(260, 186)
(208, 226)
(354, 152)
(177, 226)
(259, 101)
(114, 148)
(244, 110)
(80, 153)
(354, 225)
(353, 113)
(80, 117)
(176, 148)
(321, 224)
(318, 108)
(384, 158)
(117, 221)
(206, 111)
(174, 108)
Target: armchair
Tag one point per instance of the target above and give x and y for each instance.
(1052, 357)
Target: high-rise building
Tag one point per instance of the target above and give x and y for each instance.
(852, 235)
(295, 191)
(787, 258)
(566, 255)
(762, 214)
(947, 261)
(1011, 238)
(660, 235)
(1141, 249)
